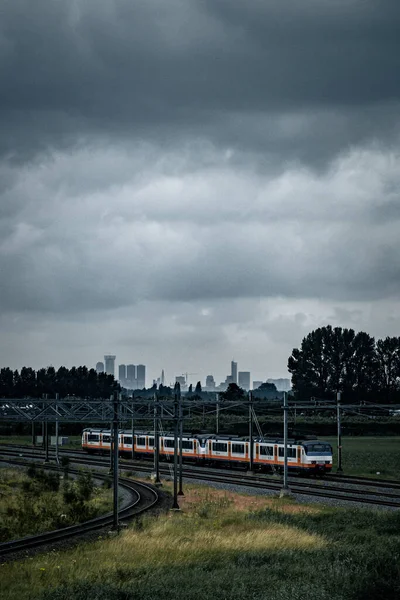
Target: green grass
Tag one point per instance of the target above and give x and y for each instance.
(31, 504)
(226, 546)
(367, 456)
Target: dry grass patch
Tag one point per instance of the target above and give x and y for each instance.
(214, 526)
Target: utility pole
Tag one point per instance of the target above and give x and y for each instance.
(133, 434)
(285, 490)
(33, 433)
(217, 415)
(46, 440)
(115, 460)
(156, 442)
(180, 493)
(57, 458)
(251, 447)
(339, 433)
(175, 504)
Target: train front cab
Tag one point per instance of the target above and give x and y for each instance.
(316, 457)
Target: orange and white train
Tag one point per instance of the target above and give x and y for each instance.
(306, 456)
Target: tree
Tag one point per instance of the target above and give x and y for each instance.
(388, 367)
(198, 388)
(332, 360)
(234, 393)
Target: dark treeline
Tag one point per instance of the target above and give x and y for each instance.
(332, 360)
(78, 381)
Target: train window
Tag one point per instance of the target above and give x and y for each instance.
(93, 437)
(219, 447)
(291, 452)
(141, 441)
(318, 448)
(187, 445)
(127, 439)
(267, 451)
(106, 439)
(169, 443)
(237, 448)
(151, 441)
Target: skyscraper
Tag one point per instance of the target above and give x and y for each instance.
(122, 373)
(109, 361)
(131, 374)
(141, 376)
(234, 372)
(244, 380)
(210, 383)
(100, 367)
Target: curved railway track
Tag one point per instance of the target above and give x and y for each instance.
(370, 492)
(143, 496)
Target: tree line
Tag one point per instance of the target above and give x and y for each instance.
(332, 360)
(77, 381)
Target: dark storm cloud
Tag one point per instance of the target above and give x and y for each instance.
(227, 71)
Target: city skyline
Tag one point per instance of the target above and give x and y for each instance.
(130, 375)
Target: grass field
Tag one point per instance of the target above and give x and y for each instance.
(369, 456)
(33, 501)
(226, 546)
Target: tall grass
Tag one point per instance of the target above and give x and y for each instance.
(34, 500)
(224, 545)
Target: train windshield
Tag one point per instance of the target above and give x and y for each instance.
(318, 449)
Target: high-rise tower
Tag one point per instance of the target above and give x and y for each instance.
(109, 362)
(141, 376)
(234, 372)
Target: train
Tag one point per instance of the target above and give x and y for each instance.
(310, 456)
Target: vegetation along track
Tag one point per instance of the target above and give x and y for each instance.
(143, 496)
(360, 490)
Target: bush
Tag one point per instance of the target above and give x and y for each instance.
(85, 485)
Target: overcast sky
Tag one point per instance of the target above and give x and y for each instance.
(191, 181)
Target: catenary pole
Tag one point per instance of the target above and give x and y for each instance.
(251, 446)
(175, 504)
(217, 415)
(156, 442)
(285, 442)
(57, 457)
(339, 433)
(115, 460)
(180, 492)
(133, 435)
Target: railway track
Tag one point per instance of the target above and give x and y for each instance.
(143, 496)
(370, 492)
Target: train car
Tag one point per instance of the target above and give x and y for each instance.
(304, 456)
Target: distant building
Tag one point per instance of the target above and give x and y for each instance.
(141, 376)
(210, 383)
(244, 380)
(234, 372)
(257, 384)
(162, 377)
(109, 362)
(100, 367)
(282, 385)
(181, 380)
(131, 374)
(122, 373)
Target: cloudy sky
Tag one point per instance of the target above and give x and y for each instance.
(191, 181)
